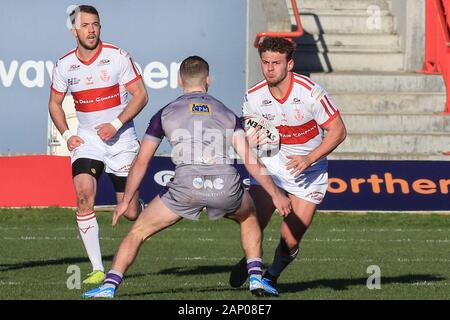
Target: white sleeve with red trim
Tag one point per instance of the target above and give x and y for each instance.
(323, 109)
(59, 83)
(128, 71)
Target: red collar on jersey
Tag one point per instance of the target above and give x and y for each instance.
(88, 62)
(288, 92)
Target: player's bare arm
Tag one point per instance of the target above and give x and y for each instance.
(254, 167)
(138, 101)
(59, 119)
(336, 133)
(135, 176)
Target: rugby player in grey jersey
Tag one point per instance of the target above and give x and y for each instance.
(202, 132)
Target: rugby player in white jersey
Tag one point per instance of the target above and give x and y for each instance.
(101, 78)
(302, 112)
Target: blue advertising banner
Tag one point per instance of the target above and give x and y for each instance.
(388, 185)
(353, 185)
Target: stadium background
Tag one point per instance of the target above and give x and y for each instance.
(225, 40)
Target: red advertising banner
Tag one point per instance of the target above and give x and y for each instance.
(35, 181)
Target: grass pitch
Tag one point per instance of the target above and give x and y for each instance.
(192, 260)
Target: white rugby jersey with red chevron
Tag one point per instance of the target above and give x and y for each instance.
(299, 116)
(98, 86)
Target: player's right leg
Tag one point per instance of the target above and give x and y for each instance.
(118, 159)
(135, 208)
(264, 208)
(136, 205)
(155, 217)
(85, 175)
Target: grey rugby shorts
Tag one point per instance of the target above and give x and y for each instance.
(188, 194)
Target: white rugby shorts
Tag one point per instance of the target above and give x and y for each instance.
(117, 154)
(311, 185)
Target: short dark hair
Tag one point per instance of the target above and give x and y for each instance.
(281, 45)
(194, 67)
(82, 8)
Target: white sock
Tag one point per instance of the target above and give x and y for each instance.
(88, 226)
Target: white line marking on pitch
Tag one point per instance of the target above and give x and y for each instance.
(269, 239)
(387, 230)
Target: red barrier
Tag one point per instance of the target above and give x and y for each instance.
(289, 35)
(437, 42)
(36, 181)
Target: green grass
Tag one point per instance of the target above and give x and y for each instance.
(192, 260)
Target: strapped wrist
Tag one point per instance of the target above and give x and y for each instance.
(117, 124)
(67, 135)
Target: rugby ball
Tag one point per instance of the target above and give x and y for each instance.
(256, 123)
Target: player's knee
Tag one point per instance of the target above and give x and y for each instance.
(85, 198)
(84, 191)
(134, 210)
(246, 216)
(131, 214)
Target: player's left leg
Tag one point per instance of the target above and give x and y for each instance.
(153, 219)
(264, 209)
(293, 227)
(250, 230)
(251, 238)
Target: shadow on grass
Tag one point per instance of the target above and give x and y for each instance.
(340, 284)
(209, 289)
(344, 284)
(45, 263)
(197, 270)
